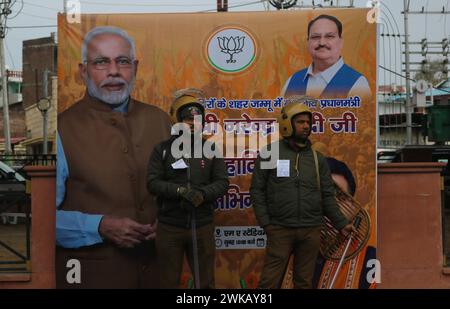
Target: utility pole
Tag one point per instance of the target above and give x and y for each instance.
(45, 113)
(4, 12)
(425, 45)
(44, 104)
(407, 74)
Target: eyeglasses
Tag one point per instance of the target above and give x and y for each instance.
(327, 37)
(104, 63)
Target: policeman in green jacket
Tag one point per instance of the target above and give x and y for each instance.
(186, 188)
(291, 199)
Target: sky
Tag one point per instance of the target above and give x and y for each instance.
(40, 15)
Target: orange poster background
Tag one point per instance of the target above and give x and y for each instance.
(170, 50)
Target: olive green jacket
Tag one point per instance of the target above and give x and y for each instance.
(296, 200)
(207, 175)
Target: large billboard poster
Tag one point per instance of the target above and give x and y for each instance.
(248, 65)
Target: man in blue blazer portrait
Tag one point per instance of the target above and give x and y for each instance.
(327, 76)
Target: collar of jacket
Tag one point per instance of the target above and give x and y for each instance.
(102, 106)
(293, 145)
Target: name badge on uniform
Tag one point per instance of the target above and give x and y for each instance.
(283, 168)
(178, 165)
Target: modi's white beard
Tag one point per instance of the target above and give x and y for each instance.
(110, 97)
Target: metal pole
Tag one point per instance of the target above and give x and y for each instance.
(6, 127)
(45, 145)
(45, 112)
(4, 87)
(341, 261)
(377, 138)
(408, 91)
(196, 270)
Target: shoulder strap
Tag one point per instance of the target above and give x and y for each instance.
(166, 150)
(316, 164)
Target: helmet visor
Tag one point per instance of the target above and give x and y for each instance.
(188, 112)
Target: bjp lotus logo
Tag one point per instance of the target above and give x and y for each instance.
(231, 46)
(231, 49)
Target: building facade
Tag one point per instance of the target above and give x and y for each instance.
(39, 55)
